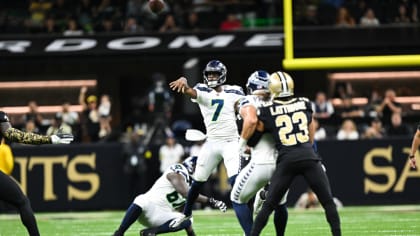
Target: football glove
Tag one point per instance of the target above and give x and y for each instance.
(218, 204)
(61, 138)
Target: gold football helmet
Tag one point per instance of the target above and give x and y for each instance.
(281, 85)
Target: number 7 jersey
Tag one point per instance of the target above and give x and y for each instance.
(288, 121)
(218, 110)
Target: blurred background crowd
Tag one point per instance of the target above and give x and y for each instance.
(80, 17)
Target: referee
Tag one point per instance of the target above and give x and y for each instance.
(10, 192)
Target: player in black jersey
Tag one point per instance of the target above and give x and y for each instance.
(289, 120)
(414, 146)
(10, 192)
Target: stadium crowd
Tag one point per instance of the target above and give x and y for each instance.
(134, 16)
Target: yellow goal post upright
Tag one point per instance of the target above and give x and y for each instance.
(351, 62)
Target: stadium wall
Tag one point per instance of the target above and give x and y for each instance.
(92, 177)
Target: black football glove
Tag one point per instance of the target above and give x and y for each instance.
(218, 204)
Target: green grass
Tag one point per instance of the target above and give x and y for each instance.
(357, 221)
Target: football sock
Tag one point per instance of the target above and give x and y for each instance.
(244, 215)
(165, 228)
(131, 215)
(261, 219)
(280, 219)
(28, 219)
(333, 218)
(192, 196)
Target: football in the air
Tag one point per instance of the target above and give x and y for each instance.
(156, 5)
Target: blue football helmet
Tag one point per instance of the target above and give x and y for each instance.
(215, 66)
(190, 163)
(258, 82)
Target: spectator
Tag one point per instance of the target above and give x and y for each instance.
(323, 108)
(232, 22)
(369, 18)
(90, 116)
(131, 26)
(375, 100)
(160, 100)
(388, 106)
(192, 22)
(344, 19)
(375, 130)
(311, 16)
(348, 131)
(104, 110)
(402, 16)
(34, 114)
(30, 127)
(320, 133)
(57, 125)
(85, 13)
(72, 28)
(69, 117)
(348, 110)
(49, 26)
(397, 127)
(169, 25)
(38, 10)
(170, 153)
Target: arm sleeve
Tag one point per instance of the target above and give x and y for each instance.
(18, 136)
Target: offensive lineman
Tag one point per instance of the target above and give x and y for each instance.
(263, 153)
(217, 106)
(289, 120)
(158, 207)
(9, 190)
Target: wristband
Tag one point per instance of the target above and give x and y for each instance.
(242, 142)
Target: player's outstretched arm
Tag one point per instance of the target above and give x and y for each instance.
(181, 86)
(19, 136)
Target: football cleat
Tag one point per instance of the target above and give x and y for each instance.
(258, 82)
(215, 67)
(145, 233)
(259, 200)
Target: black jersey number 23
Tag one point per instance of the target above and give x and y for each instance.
(290, 135)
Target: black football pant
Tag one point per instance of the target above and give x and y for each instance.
(11, 193)
(282, 178)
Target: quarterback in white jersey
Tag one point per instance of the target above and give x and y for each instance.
(261, 167)
(217, 106)
(156, 208)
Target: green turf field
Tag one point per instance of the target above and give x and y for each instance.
(357, 221)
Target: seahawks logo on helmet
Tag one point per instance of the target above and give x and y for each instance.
(215, 67)
(3, 117)
(258, 82)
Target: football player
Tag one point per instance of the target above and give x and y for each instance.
(217, 105)
(10, 191)
(156, 208)
(289, 120)
(414, 146)
(263, 153)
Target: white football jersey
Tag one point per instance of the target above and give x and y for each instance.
(264, 151)
(163, 193)
(218, 110)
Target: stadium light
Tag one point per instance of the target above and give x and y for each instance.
(47, 84)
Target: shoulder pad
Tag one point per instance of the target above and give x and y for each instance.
(304, 99)
(234, 89)
(202, 87)
(3, 117)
